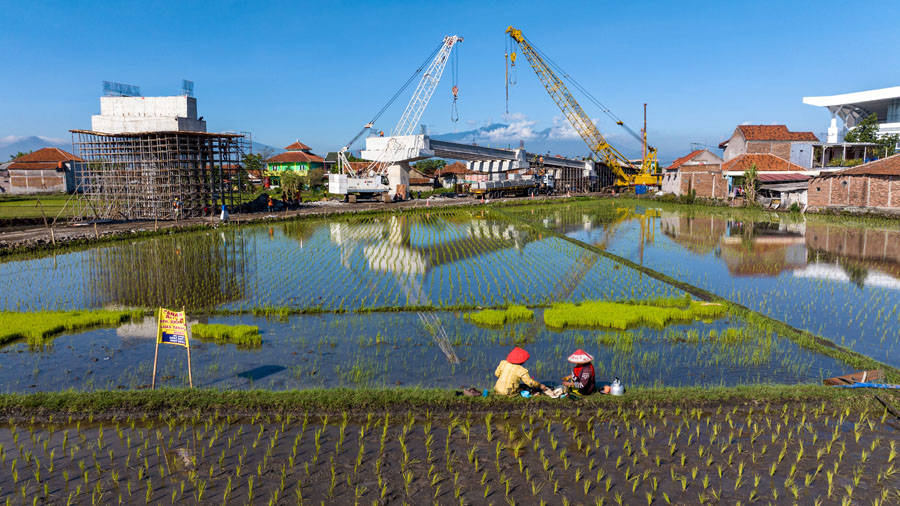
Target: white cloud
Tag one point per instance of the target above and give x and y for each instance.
(563, 129)
(519, 127)
(9, 139)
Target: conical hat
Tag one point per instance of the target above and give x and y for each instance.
(580, 357)
(517, 356)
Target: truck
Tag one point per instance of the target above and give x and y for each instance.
(526, 186)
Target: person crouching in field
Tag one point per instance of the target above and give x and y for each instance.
(582, 380)
(512, 377)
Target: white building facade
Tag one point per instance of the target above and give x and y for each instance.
(852, 108)
(147, 114)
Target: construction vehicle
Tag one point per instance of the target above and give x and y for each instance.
(517, 186)
(373, 179)
(627, 176)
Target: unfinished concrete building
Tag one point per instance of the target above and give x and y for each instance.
(151, 158)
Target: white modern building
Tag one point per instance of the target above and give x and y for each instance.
(851, 108)
(147, 114)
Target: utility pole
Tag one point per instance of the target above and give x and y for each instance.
(644, 137)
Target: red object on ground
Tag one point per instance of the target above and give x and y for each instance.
(517, 356)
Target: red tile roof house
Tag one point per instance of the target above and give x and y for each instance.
(419, 181)
(47, 170)
(757, 139)
(455, 173)
(777, 177)
(875, 185)
(699, 171)
(297, 157)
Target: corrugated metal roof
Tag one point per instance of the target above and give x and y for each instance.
(772, 178)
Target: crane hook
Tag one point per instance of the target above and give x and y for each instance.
(454, 112)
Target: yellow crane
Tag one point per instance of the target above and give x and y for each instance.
(626, 176)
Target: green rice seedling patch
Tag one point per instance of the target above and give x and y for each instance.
(499, 317)
(39, 326)
(619, 315)
(241, 335)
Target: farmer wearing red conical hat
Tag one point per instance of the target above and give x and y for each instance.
(511, 375)
(582, 380)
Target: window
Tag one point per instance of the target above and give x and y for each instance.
(818, 189)
(893, 112)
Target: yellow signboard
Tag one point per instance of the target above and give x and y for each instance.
(172, 328)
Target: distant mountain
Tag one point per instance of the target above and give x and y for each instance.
(10, 145)
(471, 135)
(259, 147)
(557, 140)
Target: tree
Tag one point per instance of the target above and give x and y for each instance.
(254, 163)
(751, 182)
(430, 166)
(867, 131)
(313, 178)
(291, 181)
(17, 155)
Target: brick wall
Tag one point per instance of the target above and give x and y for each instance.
(36, 181)
(856, 190)
(706, 184)
(860, 244)
(818, 191)
(781, 149)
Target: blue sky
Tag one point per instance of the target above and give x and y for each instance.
(318, 71)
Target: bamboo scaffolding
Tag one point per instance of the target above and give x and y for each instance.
(132, 176)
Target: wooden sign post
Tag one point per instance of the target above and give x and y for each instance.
(171, 328)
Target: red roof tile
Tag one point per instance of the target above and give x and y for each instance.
(765, 162)
(298, 146)
(774, 133)
(889, 166)
(44, 158)
(684, 159)
(771, 133)
(295, 157)
(456, 168)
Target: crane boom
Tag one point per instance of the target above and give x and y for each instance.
(411, 115)
(425, 89)
(582, 123)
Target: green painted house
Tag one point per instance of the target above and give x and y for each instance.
(297, 157)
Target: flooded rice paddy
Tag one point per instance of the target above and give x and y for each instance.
(397, 349)
(836, 278)
(825, 277)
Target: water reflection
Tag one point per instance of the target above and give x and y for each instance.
(196, 271)
(410, 247)
(805, 250)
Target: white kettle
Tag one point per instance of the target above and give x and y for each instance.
(616, 388)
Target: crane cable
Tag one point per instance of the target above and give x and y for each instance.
(405, 85)
(587, 93)
(454, 69)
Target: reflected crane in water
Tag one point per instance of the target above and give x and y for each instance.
(387, 246)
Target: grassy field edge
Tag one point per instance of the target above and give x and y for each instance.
(114, 403)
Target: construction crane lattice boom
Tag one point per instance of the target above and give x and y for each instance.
(410, 118)
(582, 123)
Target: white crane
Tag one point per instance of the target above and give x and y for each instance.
(373, 179)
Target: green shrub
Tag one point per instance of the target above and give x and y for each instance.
(37, 327)
(242, 335)
(497, 317)
(619, 315)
